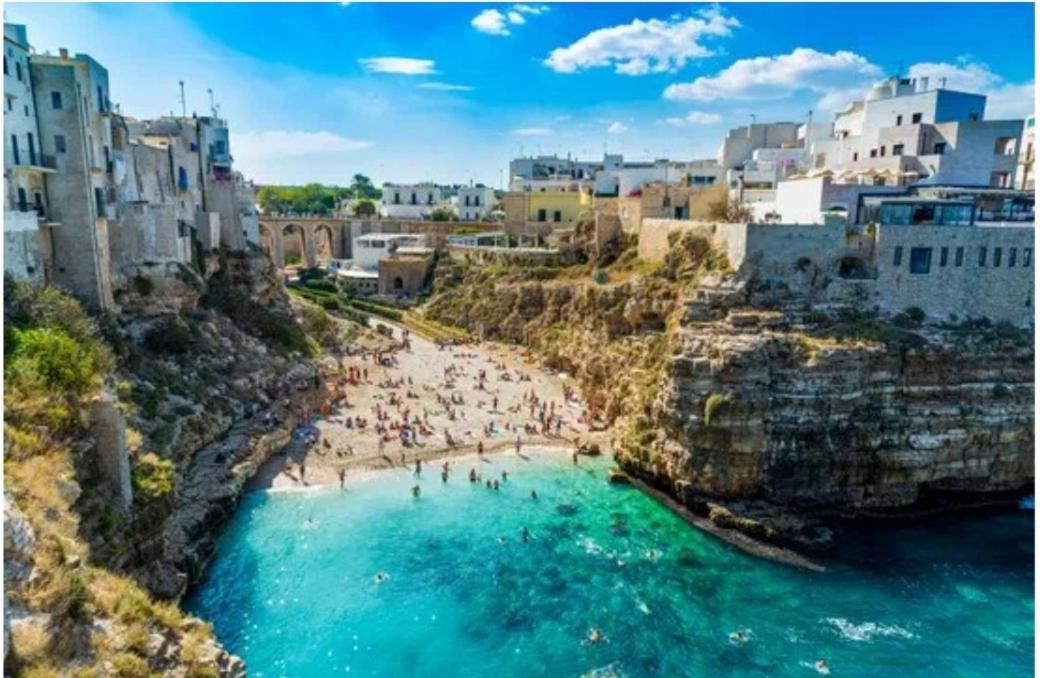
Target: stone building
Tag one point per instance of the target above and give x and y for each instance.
(74, 114)
(26, 214)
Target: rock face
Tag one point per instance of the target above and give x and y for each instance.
(767, 414)
(741, 399)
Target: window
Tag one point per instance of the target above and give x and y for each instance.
(1005, 146)
(999, 180)
(1013, 257)
(919, 263)
(1027, 257)
(898, 149)
(557, 216)
(32, 149)
(101, 100)
(23, 205)
(99, 203)
(855, 157)
(8, 103)
(18, 70)
(898, 255)
(959, 251)
(944, 257)
(396, 198)
(542, 215)
(5, 65)
(882, 151)
(982, 257)
(997, 257)
(900, 119)
(56, 100)
(819, 160)
(59, 143)
(974, 117)
(917, 118)
(14, 147)
(38, 203)
(938, 148)
(923, 214)
(413, 198)
(875, 152)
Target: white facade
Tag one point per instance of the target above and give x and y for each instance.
(368, 250)
(410, 201)
(741, 142)
(475, 203)
(1026, 160)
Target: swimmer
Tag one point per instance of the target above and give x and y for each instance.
(821, 666)
(526, 535)
(534, 494)
(381, 577)
(504, 475)
(416, 491)
(739, 636)
(594, 636)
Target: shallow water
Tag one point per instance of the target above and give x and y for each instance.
(292, 589)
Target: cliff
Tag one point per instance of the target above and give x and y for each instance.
(755, 408)
(199, 379)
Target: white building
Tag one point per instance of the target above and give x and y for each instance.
(410, 201)
(905, 132)
(741, 142)
(1026, 160)
(475, 203)
(25, 165)
(368, 250)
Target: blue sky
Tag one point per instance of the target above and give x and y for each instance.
(450, 92)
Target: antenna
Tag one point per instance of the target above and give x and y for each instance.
(210, 95)
(181, 95)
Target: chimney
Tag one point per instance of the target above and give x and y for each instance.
(941, 83)
(924, 84)
(63, 52)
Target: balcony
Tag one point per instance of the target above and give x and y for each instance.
(37, 163)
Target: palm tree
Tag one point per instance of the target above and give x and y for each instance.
(360, 183)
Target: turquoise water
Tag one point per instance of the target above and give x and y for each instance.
(292, 589)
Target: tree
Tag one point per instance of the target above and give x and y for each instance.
(364, 208)
(441, 214)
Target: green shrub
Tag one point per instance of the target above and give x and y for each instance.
(600, 276)
(712, 405)
(321, 284)
(63, 364)
(275, 328)
(153, 477)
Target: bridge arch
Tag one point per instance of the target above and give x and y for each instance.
(298, 247)
(324, 243)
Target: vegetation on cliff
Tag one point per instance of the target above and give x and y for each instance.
(68, 615)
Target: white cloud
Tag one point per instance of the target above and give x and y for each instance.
(276, 144)
(491, 22)
(617, 127)
(694, 118)
(1005, 100)
(531, 9)
(401, 65)
(446, 87)
(494, 22)
(779, 76)
(641, 47)
(532, 131)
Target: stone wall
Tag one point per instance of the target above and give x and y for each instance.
(403, 275)
(978, 286)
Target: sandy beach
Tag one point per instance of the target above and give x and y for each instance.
(418, 383)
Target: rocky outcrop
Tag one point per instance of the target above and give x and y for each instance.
(761, 414)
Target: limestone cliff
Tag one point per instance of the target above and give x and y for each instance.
(204, 371)
(752, 406)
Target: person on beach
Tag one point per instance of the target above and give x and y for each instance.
(479, 448)
(302, 470)
(341, 477)
(417, 468)
(519, 444)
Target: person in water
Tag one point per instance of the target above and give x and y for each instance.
(417, 468)
(416, 491)
(737, 636)
(594, 636)
(822, 667)
(526, 535)
(534, 494)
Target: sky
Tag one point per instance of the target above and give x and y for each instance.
(452, 92)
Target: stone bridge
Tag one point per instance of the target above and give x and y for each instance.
(314, 240)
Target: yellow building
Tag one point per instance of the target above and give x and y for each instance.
(543, 209)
